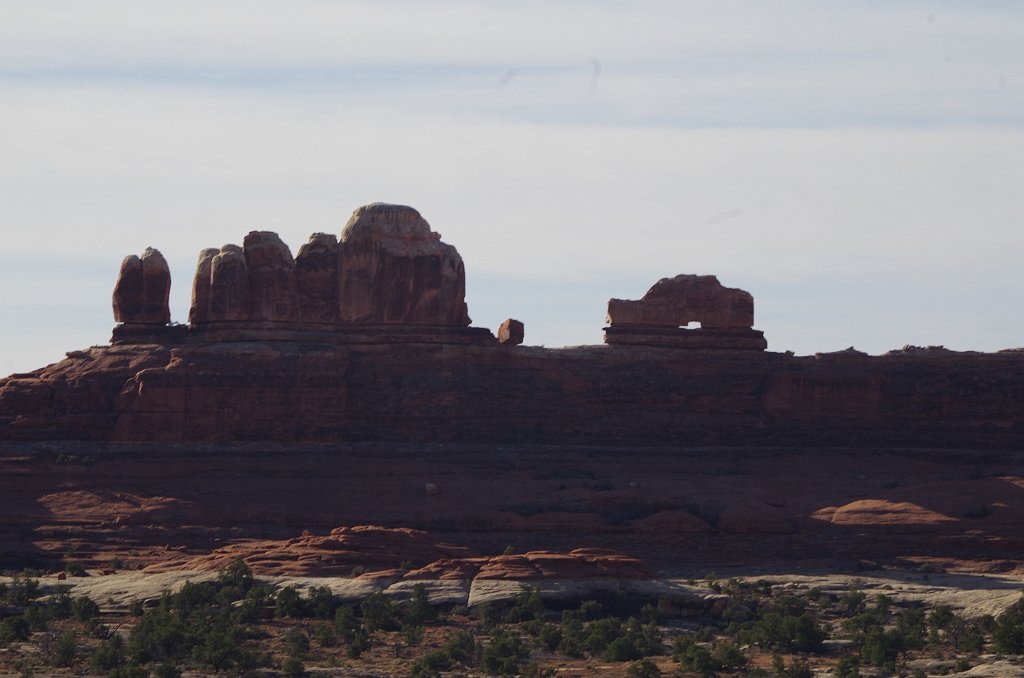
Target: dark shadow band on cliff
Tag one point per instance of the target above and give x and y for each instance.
(682, 511)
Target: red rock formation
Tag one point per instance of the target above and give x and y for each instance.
(395, 270)
(726, 316)
(142, 290)
(511, 332)
(672, 302)
(316, 273)
(229, 285)
(273, 294)
(200, 310)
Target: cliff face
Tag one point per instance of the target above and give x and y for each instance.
(615, 395)
(365, 338)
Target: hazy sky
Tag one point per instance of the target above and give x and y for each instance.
(857, 166)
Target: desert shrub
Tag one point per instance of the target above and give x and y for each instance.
(20, 591)
(798, 668)
(418, 610)
(83, 608)
(292, 666)
(296, 642)
(345, 622)
(288, 603)
(359, 644)
(637, 641)
(38, 617)
(14, 628)
(129, 671)
(412, 634)
(431, 664)
(159, 635)
(324, 635)
(462, 648)
(525, 606)
(853, 602)
(788, 632)
(644, 668)
(693, 657)
(1008, 630)
(166, 670)
(379, 613)
(503, 653)
(64, 649)
(109, 655)
(911, 625)
(880, 647)
(728, 656)
(847, 667)
(237, 578)
(548, 635)
(320, 603)
(59, 605)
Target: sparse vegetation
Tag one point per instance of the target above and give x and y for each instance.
(236, 624)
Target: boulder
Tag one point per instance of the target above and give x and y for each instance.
(143, 289)
(316, 275)
(511, 332)
(394, 269)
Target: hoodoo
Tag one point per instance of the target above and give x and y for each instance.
(366, 337)
(725, 314)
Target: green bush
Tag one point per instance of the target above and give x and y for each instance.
(14, 628)
(379, 613)
(462, 648)
(296, 642)
(643, 669)
(129, 671)
(693, 657)
(292, 666)
(1008, 630)
(237, 577)
(882, 648)
(418, 610)
(847, 667)
(84, 609)
(324, 635)
(166, 670)
(788, 632)
(288, 603)
(431, 664)
(38, 617)
(109, 655)
(64, 650)
(503, 653)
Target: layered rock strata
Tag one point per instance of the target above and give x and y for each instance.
(389, 279)
(324, 391)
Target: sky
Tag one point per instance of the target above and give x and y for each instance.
(858, 166)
